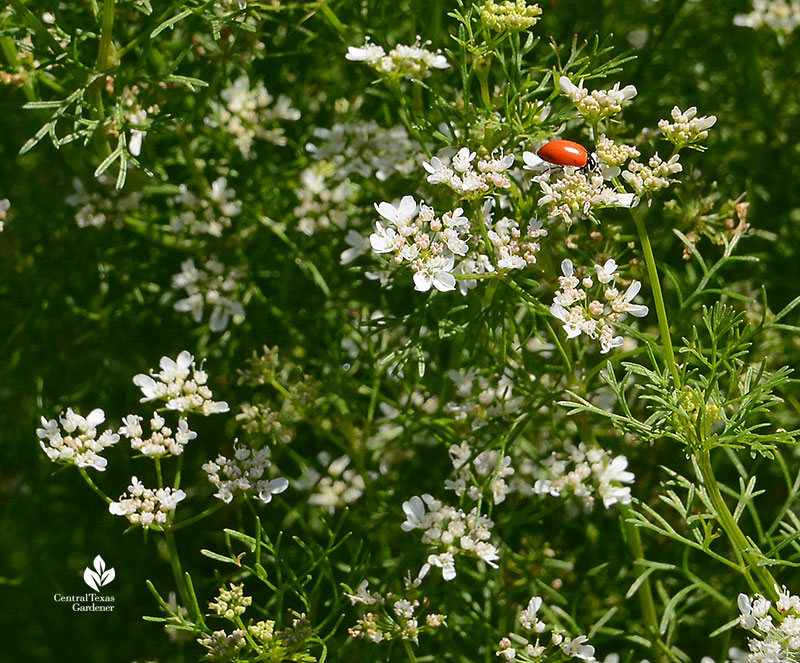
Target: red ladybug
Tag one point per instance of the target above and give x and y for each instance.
(564, 153)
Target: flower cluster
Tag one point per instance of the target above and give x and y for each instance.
(460, 175)
(584, 473)
(595, 318)
(612, 155)
(210, 287)
(780, 15)
(571, 193)
(249, 113)
(322, 203)
(481, 397)
(401, 62)
(525, 650)
(162, 440)
(207, 215)
(341, 487)
(221, 645)
(511, 15)
(596, 105)
(231, 603)
(451, 531)
(79, 443)
(772, 642)
(399, 622)
(417, 236)
(686, 128)
(510, 247)
(96, 208)
(647, 179)
(364, 149)
(181, 384)
(242, 474)
(145, 506)
(488, 465)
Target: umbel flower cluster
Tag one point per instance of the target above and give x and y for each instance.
(775, 633)
(595, 317)
(73, 439)
(213, 287)
(487, 466)
(248, 113)
(401, 62)
(783, 16)
(451, 531)
(391, 617)
(243, 473)
(162, 440)
(181, 384)
(145, 506)
(585, 473)
(521, 648)
(511, 15)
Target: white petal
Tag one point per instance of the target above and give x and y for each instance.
(422, 281)
(444, 281)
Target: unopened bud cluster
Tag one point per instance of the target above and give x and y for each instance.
(511, 15)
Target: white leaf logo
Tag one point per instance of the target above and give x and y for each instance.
(99, 576)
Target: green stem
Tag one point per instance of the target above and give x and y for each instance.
(199, 516)
(159, 476)
(645, 591)
(93, 486)
(741, 544)
(409, 652)
(103, 63)
(177, 571)
(658, 296)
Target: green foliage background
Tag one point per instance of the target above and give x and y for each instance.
(81, 314)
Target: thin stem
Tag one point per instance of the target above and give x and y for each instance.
(159, 476)
(198, 516)
(102, 63)
(634, 542)
(741, 544)
(645, 591)
(177, 571)
(93, 486)
(658, 296)
(409, 652)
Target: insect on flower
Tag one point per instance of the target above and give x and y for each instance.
(564, 153)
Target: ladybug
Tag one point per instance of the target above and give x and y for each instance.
(564, 153)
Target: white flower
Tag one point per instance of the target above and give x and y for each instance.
(242, 474)
(607, 271)
(385, 240)
(577, 649)
(362, 595)
(145, 506)
(79, 443)
(414, 510)
(181, 384)
(436, 272)
(399, 215)
(369, 53)
(623, 304)
(357, 244)
(446, 563)
(528, 618)
(462, 161)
